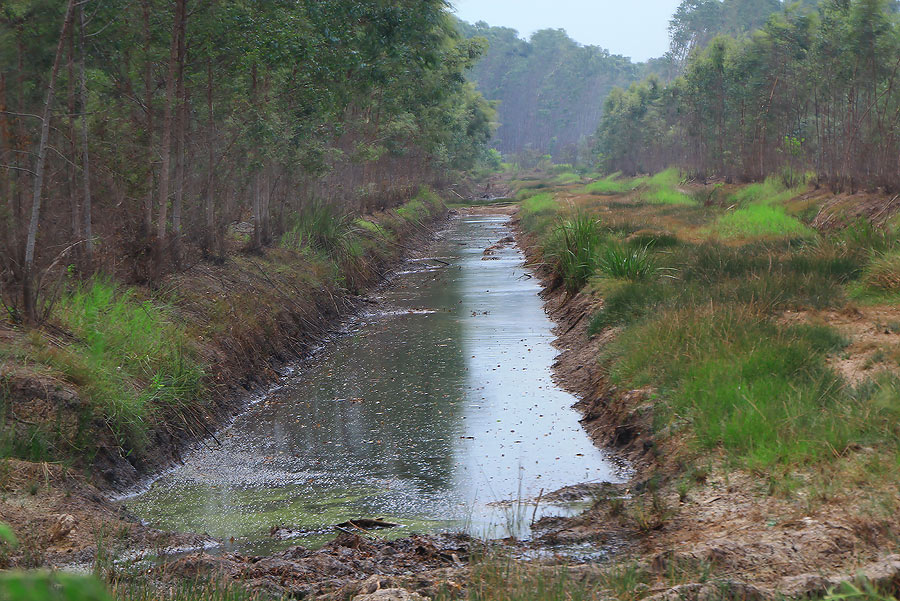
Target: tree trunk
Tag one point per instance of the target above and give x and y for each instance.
(181, 121)
(148, 101)
(28, 291)
(166, 143)
(87, 227)
(209, 209)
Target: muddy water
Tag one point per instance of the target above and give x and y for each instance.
(437, 411)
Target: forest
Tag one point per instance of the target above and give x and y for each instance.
(134, 134)
(547, 88)
(813, 93)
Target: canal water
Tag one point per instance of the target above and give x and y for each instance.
(436, 411)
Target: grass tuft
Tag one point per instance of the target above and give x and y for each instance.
(573, 250)
(627, 262)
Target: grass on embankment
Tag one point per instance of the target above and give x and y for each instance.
(700, 324)
(138, 359)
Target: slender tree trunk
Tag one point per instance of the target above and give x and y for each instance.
(148, 100)
(181, 120)
(209, 209)
(166, 144)
(71, 168)
(28, 291)
(6, 180)
(86, 209)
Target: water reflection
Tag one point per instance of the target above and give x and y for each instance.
(439, 404)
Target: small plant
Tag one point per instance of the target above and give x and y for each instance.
(620, 261)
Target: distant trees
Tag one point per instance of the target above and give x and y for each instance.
(550, 88)
(135, 131)
(811, 90)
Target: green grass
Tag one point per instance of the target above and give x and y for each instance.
(759, 221)
(566, 178)
(573, 250)
(129, 356)
(627, 262)
(742, 383)
(538, 212)
(770, 192)
(611, 185)
(662, 188)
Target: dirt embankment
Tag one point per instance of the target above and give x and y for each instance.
(269, 312)
(705, 531)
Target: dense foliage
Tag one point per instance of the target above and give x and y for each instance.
(144, 128)
(810, 91)
(550, 89)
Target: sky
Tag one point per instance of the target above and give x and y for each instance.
(633, 28)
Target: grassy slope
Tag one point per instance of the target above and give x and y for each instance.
(138, 361)
(734, 387)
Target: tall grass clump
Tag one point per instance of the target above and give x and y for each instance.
(421, 207)
(129, 356)
(627, 262)
(319, 227)
(882, 274)
(770, 192)
(573, 250)
(566, 178)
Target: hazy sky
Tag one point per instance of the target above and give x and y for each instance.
(635, 28)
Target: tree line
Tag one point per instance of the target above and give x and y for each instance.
(547, 89)
(815, 89)
(133, 133)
